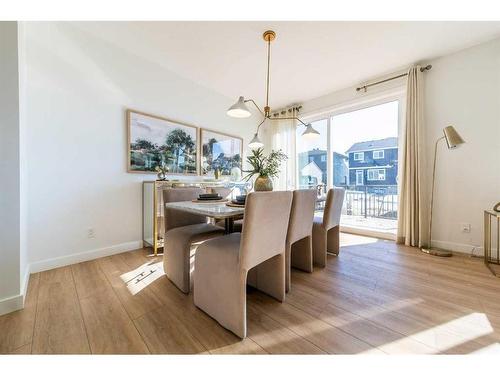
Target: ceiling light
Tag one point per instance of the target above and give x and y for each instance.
(241, 110)
(310, 132)
(255, 142)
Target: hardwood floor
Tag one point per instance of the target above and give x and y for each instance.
(375, 298)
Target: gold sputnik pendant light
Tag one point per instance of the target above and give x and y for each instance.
(240, 109)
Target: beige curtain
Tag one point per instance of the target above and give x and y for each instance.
(411, 222)
(283, 138)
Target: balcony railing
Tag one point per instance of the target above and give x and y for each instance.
(379, 201)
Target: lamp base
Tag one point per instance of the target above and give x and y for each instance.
(436, 252)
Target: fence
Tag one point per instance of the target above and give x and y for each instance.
(379, 201)
(368, 201)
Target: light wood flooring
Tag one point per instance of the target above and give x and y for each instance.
(375, 298)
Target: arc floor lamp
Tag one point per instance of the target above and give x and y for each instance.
(240, 109)
(453, 140)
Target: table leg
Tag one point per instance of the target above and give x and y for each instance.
(228, 225)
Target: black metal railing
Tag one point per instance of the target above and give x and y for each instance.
(379, 201)
(371, 201)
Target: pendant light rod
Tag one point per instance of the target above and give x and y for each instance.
(268, 66)
(268, 36)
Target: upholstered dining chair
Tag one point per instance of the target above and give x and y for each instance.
(181, 230)
(299, 253)
(326, 229)
(222, 264)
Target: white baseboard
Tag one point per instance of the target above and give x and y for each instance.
(459, 247)
(10, 304)
(14, 303)
(48, 264)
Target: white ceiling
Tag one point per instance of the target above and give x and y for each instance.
(308, 59)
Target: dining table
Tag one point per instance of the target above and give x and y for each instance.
(214, 210)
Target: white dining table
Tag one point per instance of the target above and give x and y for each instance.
(215, 210)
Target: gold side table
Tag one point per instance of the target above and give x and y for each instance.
(493, 263)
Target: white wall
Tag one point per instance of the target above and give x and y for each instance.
(77, 89)
(462, 89)
(10, 235)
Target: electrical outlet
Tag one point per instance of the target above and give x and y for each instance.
(90, 233)
(465, 227)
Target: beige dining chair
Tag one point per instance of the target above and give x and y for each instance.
(326, 229)
(222, 264)
(299, 253)
(181, 230)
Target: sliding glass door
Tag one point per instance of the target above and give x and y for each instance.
(364, 148)
(358, 151)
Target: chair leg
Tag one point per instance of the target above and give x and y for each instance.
(288, 264)
(271, 277)
(177, 264)
(298, 255)
(302, 254)
(319, 249)
(333, 240)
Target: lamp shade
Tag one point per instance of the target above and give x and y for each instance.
(453, 139)
(255, 142)
(310, 132)
(239, 109)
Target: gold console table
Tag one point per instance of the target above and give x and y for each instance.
(152, 208)
(493, 263)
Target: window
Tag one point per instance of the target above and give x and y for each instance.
(359, 156)
(376, 175)
(323, 158)
(359, 177)
(378, 154)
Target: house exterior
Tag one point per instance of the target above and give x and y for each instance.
(374, 164)
(312, 166)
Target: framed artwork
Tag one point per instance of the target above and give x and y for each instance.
(222, 152)
(155, 141)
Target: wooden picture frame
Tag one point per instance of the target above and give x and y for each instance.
(150, 142)
(226, 144)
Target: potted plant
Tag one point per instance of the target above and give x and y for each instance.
(265, 167)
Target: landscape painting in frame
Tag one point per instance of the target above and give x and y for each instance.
(155, 141)
(220, 151)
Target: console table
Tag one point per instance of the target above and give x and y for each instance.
(152, 206)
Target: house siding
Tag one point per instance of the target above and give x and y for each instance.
(389, 162)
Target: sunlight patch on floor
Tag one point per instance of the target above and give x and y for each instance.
(446, 336)
(139, 278)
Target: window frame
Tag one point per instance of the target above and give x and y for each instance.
(379, 174)
(359, 153)
(378, 157)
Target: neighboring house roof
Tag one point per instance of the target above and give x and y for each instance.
(376, 144)
(339, 155)
(312, 169)
(314, 152)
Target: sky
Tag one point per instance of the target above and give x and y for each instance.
(367, 124)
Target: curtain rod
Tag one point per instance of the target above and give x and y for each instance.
(428, 67)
